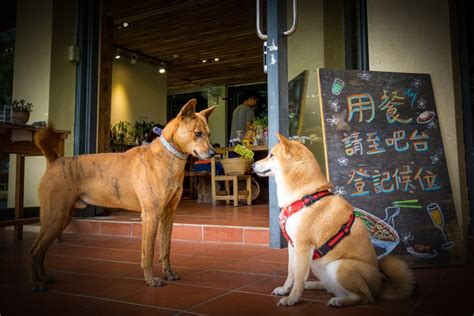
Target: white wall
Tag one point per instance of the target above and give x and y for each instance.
(43, 75)
(62, 101)
(31, 81)
(416, 38)
(218, 119)
(138, 92)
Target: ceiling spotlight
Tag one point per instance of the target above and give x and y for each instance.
(117, 54)
(133, 59)
(204, 61)
(125, 24)
(216, 59)
(162, 68)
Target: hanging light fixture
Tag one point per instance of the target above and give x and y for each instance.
(133, 59)
(117, 54)
(162, 68)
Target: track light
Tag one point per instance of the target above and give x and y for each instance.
(162, 68)
(135, 55)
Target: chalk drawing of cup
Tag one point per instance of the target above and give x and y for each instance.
(337, 86)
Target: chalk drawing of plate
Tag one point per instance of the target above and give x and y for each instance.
(432, 254)
(383, 236)
(425, 117)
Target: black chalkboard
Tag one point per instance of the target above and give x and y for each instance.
(385, 155)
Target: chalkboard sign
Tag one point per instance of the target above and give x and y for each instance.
(385, 155)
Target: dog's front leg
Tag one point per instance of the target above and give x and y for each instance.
(302, 264)
(286, 288)
(166, 228)
(149, 228)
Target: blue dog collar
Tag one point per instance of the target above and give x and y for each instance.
(157, 130)
(172, 150)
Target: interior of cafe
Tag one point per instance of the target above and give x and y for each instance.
(154, 56)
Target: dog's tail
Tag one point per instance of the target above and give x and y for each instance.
(42, 141)
(398, 279)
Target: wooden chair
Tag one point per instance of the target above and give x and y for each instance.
(227, 195)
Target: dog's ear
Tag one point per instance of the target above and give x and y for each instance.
(188, 110)
(207, 112)
(285, 142)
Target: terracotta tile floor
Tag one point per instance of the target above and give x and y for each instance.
(101, 275)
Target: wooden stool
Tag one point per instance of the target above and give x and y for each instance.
(227, 195)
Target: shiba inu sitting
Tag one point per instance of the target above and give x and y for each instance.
(324, 234)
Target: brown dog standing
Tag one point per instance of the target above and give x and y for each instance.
(146, 178)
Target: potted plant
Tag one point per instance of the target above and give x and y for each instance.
(141, 130)
(261, 129)
(21, 111)
(121, 133)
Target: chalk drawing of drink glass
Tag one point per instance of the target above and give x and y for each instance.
(438, 220)
(337, 86)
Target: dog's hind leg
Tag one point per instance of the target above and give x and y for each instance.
(350, 284)
(54, 218)
(45, 278)
(149, 229)
(166, 228)
(50, 229)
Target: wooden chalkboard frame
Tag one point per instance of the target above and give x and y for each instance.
(409, 212)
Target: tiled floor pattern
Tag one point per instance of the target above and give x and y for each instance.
(101, 275)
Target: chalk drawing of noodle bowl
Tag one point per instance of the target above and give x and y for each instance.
(383, 236)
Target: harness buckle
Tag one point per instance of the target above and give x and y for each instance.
(324, 249)
(308, 200)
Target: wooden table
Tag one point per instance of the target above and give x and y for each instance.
(18, 140)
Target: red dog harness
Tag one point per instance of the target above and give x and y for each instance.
(307, 200)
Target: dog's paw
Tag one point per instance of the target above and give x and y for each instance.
(335, 302)
(39, 287)
(171, 276)
(155, 282)
(287, 301)
(281, 290)
(47, 279)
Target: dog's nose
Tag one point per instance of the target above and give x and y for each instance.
(211, 153)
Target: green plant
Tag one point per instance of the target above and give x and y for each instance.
(121, 133)
(261, 121)
(22, 106)
(141, 130)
